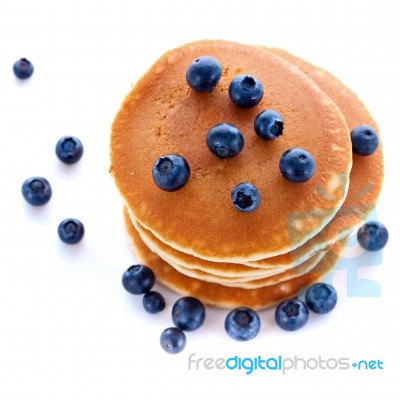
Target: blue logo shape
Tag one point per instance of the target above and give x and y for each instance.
(354, 258)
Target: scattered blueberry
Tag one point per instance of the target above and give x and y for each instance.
(171, 172)
(153, 302)
(203, 74)
(297, 165)
(373, 236)
(188, 313)
(23, 68)
(225, 140)
(246, 91)
(268, 124)
(71, 230)
(291, 315)
(69, 149)
(242, 323)
(364, 140)
(173, 340)
(36, 191)
(245, 197)
(138, 279)
(321, 298)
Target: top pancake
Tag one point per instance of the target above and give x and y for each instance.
(162, 115)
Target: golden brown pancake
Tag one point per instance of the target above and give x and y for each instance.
(162, 115)
(232, 270)
(250, 283)
(222, 296)
(255, 277)
(366, 175)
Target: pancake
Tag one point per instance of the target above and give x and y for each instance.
(366, 176)
(231, 270)
(254, 278)
(162, 115)
(222, 296)
(250, 283)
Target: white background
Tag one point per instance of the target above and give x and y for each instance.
(67, 327)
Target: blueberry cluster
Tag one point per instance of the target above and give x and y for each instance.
(172, 172)
(36, 190)
(293, 314)
(140, 279)
(243, 323)
(188, 313)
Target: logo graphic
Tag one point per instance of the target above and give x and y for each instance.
(281, 364)
(342, 229)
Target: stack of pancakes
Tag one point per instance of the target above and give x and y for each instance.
(194, 239)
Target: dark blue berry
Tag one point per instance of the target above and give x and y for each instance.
(242, 323)
(225, 140)
(203, 74)
(36, 191)
(291, 315)
(138, 279)
(69, 149)
(364, 140)
(268, 125)
(173, 340)
(246, 91)
(373, 236)
(297, 165)
(245, 197)
(321, 298)
(153, 302)
(188, 313)
(71, 231)
(171, 172)
(23, 68)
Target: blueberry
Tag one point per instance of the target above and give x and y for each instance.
(71, 230)
(138, 279)
(23, 68)
(69, 149)
(297, 165)
(173, 340)
(373, 236)
(364, 140)
(268, 124)
(245, 197)
(225, 140)
(153, 302)
(188, 313)
(171, 172)
(321, 298)
(242, 323)
(246, 91)
(36, 191)
(291, 315)
(203, 74)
